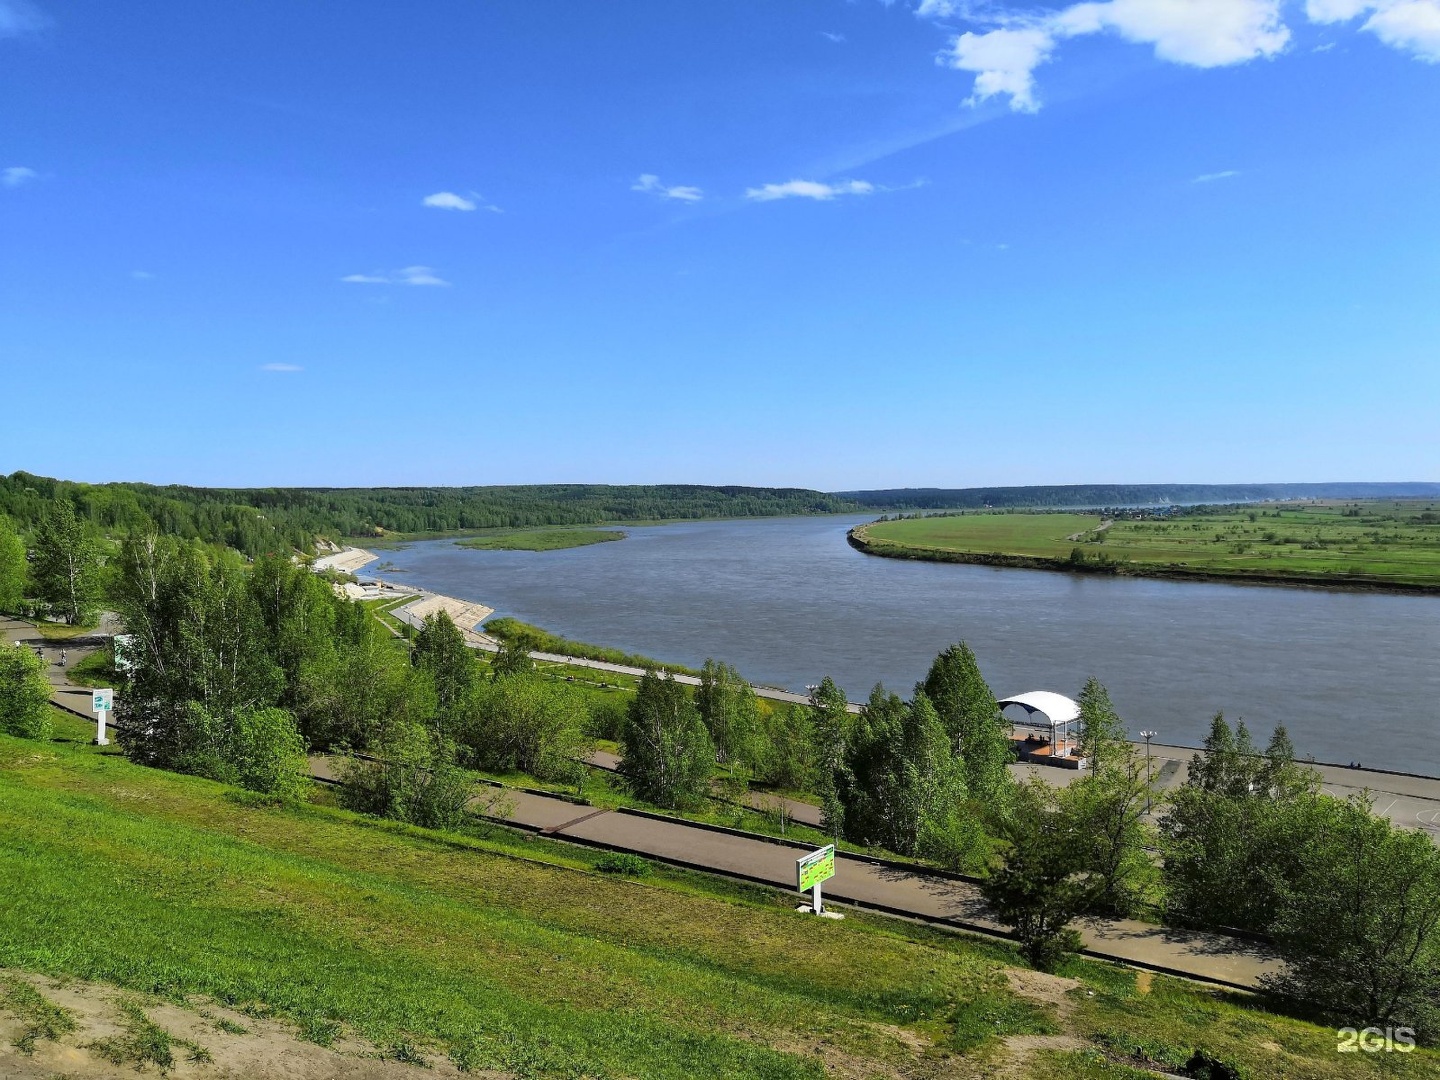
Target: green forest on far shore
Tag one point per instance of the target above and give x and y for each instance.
(255, 521)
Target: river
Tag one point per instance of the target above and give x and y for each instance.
(786, 600)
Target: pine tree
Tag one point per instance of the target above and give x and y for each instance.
(1102, 732)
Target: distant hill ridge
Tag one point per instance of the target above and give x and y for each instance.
(1125, 494)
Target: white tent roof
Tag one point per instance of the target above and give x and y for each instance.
(1058, 708)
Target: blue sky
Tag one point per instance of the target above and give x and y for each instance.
(825, 243)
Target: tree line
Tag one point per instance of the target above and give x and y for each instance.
(258, 520)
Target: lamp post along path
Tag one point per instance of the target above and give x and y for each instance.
(1147, 736)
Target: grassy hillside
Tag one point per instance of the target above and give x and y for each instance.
(506, 952)
(1359, 543)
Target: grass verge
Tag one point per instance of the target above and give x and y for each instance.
(513, 953)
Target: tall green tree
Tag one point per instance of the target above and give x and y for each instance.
(1108, 811)
(12, 566)
(667, 756)
(527, 723)
(1102, 732)
(357, 695)
(1360, 929)
(24, 694)
(67, 566)
(441, 651)
(1040, 883)
(967, 708)
(513, 658)
(731, 713)
(831, 724)
(301, 617)
(197, 653)
(789, 760)
(1231, 841)
(902, 787)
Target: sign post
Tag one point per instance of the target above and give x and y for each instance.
(812, 870)
(101, 702)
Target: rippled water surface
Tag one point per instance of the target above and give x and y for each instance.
(786, 600)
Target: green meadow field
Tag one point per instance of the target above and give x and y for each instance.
(489, 949)
(539, 539)
(1342, 543)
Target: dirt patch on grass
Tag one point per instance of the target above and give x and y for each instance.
(1045, 989)
(117, 1036)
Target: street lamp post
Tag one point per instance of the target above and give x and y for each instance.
(1147, 736)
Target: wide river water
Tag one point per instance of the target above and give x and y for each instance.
(786, 600)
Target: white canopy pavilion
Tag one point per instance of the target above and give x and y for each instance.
(1057, 714)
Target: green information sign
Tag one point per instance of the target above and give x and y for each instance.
(814, 868)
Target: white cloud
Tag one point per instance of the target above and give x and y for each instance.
(1200, 33)
(1004, 62)
(418, 275)
(828, 35)
(281, 367)
(649, 182)
(16, 175)
(409, 275)
(142, 275)
(448, 200)
(809, 189)
(937, 9)
(1412, 26)
(1210, 177)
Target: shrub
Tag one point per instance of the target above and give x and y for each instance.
(268, 754)
(414, 778)
(24, 694)
(623, 864)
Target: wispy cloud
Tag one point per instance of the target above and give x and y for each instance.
(281, 367)
(16, 175)
(142, 275)
(1210, 177)
(809, 189)
(409, 275)
(19, 17)
(650, 183)
(831, 36)
(449, 200)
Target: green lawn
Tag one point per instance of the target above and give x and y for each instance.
(1376, 542)
(540, 539)
(509, 952)
(1011, 534)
